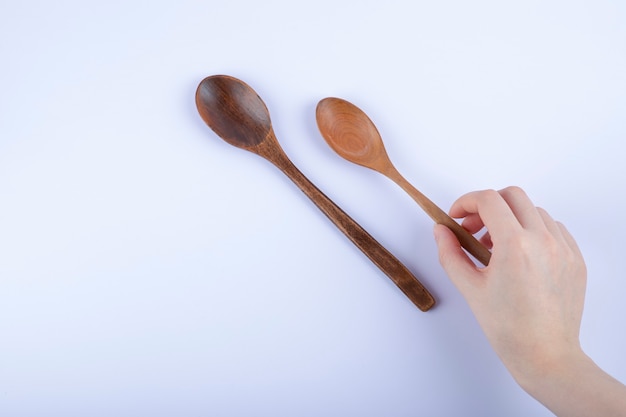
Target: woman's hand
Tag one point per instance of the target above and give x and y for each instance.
(529, 300)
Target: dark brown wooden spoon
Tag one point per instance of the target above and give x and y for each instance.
(352, 134)
(235, 112)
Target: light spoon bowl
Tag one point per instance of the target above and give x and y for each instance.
(352, 135)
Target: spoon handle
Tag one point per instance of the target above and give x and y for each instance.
(466, 240)
(380, 256)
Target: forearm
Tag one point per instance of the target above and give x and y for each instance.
(574, 386)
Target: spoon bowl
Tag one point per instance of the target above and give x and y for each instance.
(236, 113)
(352, 134)
(349, 132)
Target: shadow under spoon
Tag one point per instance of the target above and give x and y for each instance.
(352, 135)
(235, 112)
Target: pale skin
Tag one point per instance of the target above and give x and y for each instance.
(529, 300)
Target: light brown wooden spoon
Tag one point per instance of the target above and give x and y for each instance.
(352, 134)
(237, 114)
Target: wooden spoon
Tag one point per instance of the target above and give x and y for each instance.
(238, 115)
(351, 134)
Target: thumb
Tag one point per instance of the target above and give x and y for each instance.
(453, 259)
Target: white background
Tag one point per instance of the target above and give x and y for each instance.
(149, 268)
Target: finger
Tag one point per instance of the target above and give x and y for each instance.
(473, 223)
(486, 240)
(493, 210)
(550, 224)
(558, 230)
(458, 266)
(571, 242)
(522, 207)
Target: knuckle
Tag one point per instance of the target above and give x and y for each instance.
(514, 190)
(545, 215)
(491, 195)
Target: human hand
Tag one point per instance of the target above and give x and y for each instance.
(529, 299)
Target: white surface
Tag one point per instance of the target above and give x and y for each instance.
(148, 268)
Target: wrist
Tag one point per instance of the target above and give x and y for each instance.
(573, 385)
(546, 369)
